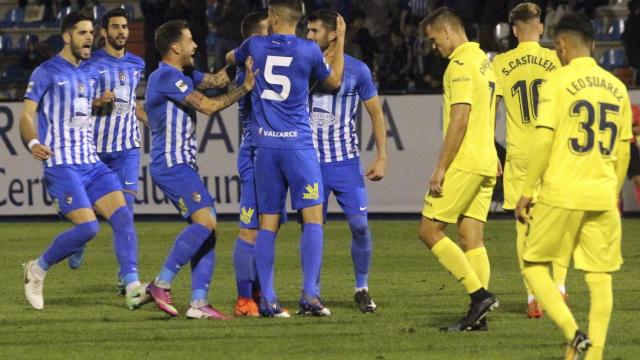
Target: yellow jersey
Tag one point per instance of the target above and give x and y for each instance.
(519, 73)
(470, 79)
(590, 113)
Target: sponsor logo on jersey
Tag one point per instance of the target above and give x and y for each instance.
(181, 85)
(277, 134)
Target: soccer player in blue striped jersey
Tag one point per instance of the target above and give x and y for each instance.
(117, 73)
(285, 156)
(172, 99)
(59, 97)
(334, 133)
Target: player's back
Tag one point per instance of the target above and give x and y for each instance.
(519, 73)
(470, 79)
(116, 128)
(589, 110)
(280, 97)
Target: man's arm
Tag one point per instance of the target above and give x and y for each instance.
(376, 170)
(230, 58)
(453, 139)
(622, 162)
(141, 115)
(334, 80)
(214, 80)
(28, 131)
(541, 147)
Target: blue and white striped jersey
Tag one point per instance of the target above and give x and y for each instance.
(333, 114)
(116, 127)
(63, 93)
(173, 125)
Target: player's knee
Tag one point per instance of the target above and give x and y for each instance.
(248, 235)
(88, 230)
(359, 226)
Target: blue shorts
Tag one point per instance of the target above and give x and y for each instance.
(126, 165)
(75, 187)
(346, 180)
(248, 203)
(279, 169)
(183, 186)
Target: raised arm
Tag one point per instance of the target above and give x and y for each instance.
(214, 80)
(334, 80)
(28, 131)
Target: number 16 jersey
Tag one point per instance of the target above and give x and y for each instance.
(280, 96)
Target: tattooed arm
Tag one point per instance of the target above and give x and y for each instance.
(214, 80)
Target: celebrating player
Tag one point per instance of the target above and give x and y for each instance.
(243, 253)
(519, 73)
(581, 155)
(285, 154)
(116, 134)
(336, 142)
(59, 97)
(170, 100)
(461, 185)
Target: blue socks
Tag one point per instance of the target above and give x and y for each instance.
(203, 264)
(130, 199)
(360, 248)
(244, 265)
(264, 254)
(68, 242)
(125, 244)
(185, 247)
(311, 255)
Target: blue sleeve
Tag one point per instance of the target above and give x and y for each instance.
(39, 83)
(197, 77)
(243, 51)
(365, 86)
(174, 86)
(320, 69)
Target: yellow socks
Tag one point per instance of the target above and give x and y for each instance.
(521, 233)
(452, 258)
(479, 261)
(559, 276)
(600, 289)
(549, 297)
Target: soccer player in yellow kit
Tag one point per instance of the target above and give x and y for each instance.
(462, 183)
(581, 148)
(519, 73)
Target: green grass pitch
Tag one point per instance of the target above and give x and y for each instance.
(83, 318)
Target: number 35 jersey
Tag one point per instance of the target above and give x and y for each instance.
(63, 93)
(469, 79)
(519, 73)
(280, 97)
(589, 111)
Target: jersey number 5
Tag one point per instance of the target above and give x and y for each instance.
(273, 79)
(587, 126)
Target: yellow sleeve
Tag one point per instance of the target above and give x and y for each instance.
(460, 83)
(548, 103)
(626, 115)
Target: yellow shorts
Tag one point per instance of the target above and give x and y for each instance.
(515, 174)
(592, 237)
(463, 194)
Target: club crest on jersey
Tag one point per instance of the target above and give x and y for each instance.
(181, 85)
(182, 207)
(81, 89)
(246, 215)
(122, 77)
(312, 192)
(196, 197)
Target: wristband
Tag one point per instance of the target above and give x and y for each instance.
(33, 143)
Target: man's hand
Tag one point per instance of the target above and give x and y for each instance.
(41, 152)
(250, 77)
(435, 184)
(107, 97)
(341, 28)
(500, 170)
(522, 210)
(375, 171)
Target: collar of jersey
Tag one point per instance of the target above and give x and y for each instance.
(64, 61)
(583, 61)
(167, 66)
(463, 47)
(528, 44)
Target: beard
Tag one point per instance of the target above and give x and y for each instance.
(114, 42)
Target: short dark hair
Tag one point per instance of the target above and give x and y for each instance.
(578, 24)
(440, 16)
(251, 22)
(71, 19)
(327, 17)
(294, 8)
(524, 12)
(115, 12)
(169, 33)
